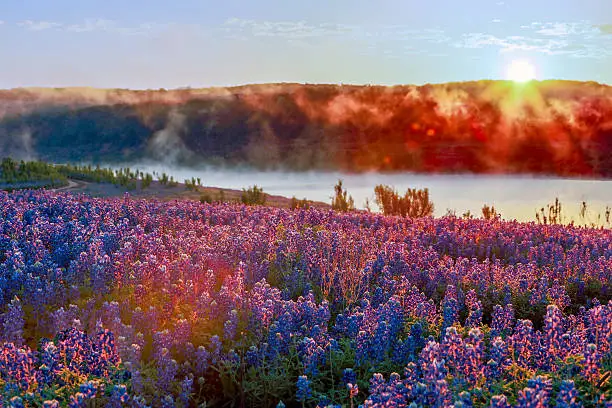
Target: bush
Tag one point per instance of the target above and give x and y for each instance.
(147, 179)
(295, 203)
(253, 196)
(489, 213)
(191, 184)
(555, 215)
(341, 202)
(206, 198)
(414, 203)
(221, 196)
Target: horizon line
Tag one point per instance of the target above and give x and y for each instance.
(253, 84)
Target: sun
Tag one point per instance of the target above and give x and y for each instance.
(521, 71)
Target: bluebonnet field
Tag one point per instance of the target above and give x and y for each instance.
(123, 302)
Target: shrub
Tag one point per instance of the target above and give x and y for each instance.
(221, 196)
(554, 211)
(414, 203)
(341, 202)
(146, 181)
(253, 196)
(205, 198)
(489, 212)
(295, 203)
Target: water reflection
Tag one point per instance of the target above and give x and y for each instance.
(516, 197)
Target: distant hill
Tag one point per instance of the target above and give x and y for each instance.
(549, 127)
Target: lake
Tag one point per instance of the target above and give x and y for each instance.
(516, 197)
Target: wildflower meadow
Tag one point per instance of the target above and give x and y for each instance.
(121, 302)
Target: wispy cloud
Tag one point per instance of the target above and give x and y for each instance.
(93, 25)
(39, 25)
(302, 29)
(285, 29)
(388, 41)
(577, 39)
(515, 42)
(564, 29)
(90, 25)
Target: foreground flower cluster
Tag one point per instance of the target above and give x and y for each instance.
(143, 303)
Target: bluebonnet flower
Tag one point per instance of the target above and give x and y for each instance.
(568, 395)
(215, 349)
(201, 359)
(450, 308)
(464, 401)
(303, 392)
(592, 363)
(474, 318)
(349, 376)
(119, 396)
(230, 325)
(77, 400)
(16, 402)
(89, 388)
(168, 402)
(13, 323)
(167, 369)
(502, 320)
(252, 356)
(186, 390)
(499, 401)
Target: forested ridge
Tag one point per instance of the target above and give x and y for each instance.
(550, 127)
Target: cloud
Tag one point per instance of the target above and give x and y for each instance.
(39, 25)
(285, 29)
(575, 39)
(388, 41)
(302, 29)
(515, 42)
(564, 29)
(94, 25)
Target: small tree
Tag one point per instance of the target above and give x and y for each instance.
(163, 180)
(414, 203)
(341, 202)
(146, 181)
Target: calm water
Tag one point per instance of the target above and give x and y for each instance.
(516, 197)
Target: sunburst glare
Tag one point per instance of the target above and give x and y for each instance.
(521, 71)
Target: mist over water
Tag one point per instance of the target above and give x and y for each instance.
(516, 197)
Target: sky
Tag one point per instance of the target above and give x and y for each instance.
(151, 44)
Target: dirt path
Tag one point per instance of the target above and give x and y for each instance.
(72, 185)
